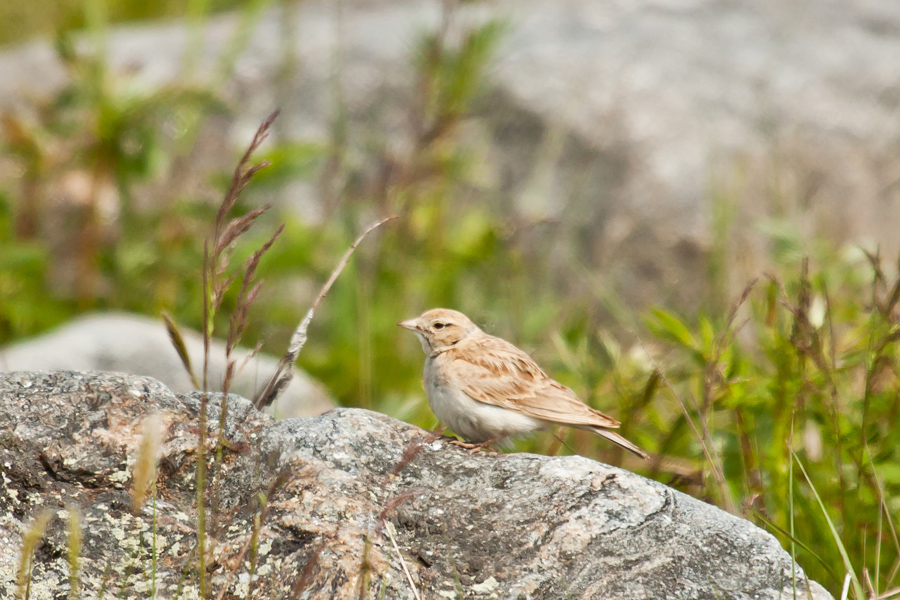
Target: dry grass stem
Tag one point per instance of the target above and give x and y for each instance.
(180, 347)
(389, 527)
(30, 541)
(74, 543)
(215, 283)
(145, 466)
(216, 253)
(845, 591)
(869, 586)
(246, 296)
(284, 373)
(242, 176)
(259, 519)
(704, 442)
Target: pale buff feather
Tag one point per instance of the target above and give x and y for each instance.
(493, 371)
(490, 370)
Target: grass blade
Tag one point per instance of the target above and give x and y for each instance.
(283, 374)
(848, 566)
(180, 346)
(30, 542)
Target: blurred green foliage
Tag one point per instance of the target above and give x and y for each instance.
(24, 20)
(804, 364)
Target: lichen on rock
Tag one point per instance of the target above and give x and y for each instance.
(328, 493)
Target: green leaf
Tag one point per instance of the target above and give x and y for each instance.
(668, 327)
(707, 334)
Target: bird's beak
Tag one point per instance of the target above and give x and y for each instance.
(411, 324)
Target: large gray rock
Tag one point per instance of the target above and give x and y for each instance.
(482, 526)
(139, 345)
(616, 120)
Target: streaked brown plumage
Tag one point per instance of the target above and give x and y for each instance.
(485, 389)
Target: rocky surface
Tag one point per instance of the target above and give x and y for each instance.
(339, 487)
(621, 119)
(139, 345)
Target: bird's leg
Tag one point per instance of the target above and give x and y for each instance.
(476, 447)
(435, 435)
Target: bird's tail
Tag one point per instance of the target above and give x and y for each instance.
(618, 440)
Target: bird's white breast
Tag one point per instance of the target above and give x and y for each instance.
(473, 420)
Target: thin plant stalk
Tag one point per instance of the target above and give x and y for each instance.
(30, 541)
(252, 544)
(74, 543)
(848, 565)
(791, 519)
(201, 434)
(155, 556)
(215, 283)
(705, 442)
(284, 372)
(390, 531)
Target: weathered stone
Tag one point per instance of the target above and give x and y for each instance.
(467, 526)
(138, 345)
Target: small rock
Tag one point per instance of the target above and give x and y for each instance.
(139, 345)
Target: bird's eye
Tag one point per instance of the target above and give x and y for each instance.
(438, 325)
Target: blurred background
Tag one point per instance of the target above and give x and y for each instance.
(686, 210)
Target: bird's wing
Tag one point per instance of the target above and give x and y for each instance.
(493, 371)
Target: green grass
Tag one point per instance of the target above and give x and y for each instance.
(780, 404)
(23, 21)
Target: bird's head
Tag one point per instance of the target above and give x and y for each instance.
(440, 328)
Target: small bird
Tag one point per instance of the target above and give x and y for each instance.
(486, 389)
